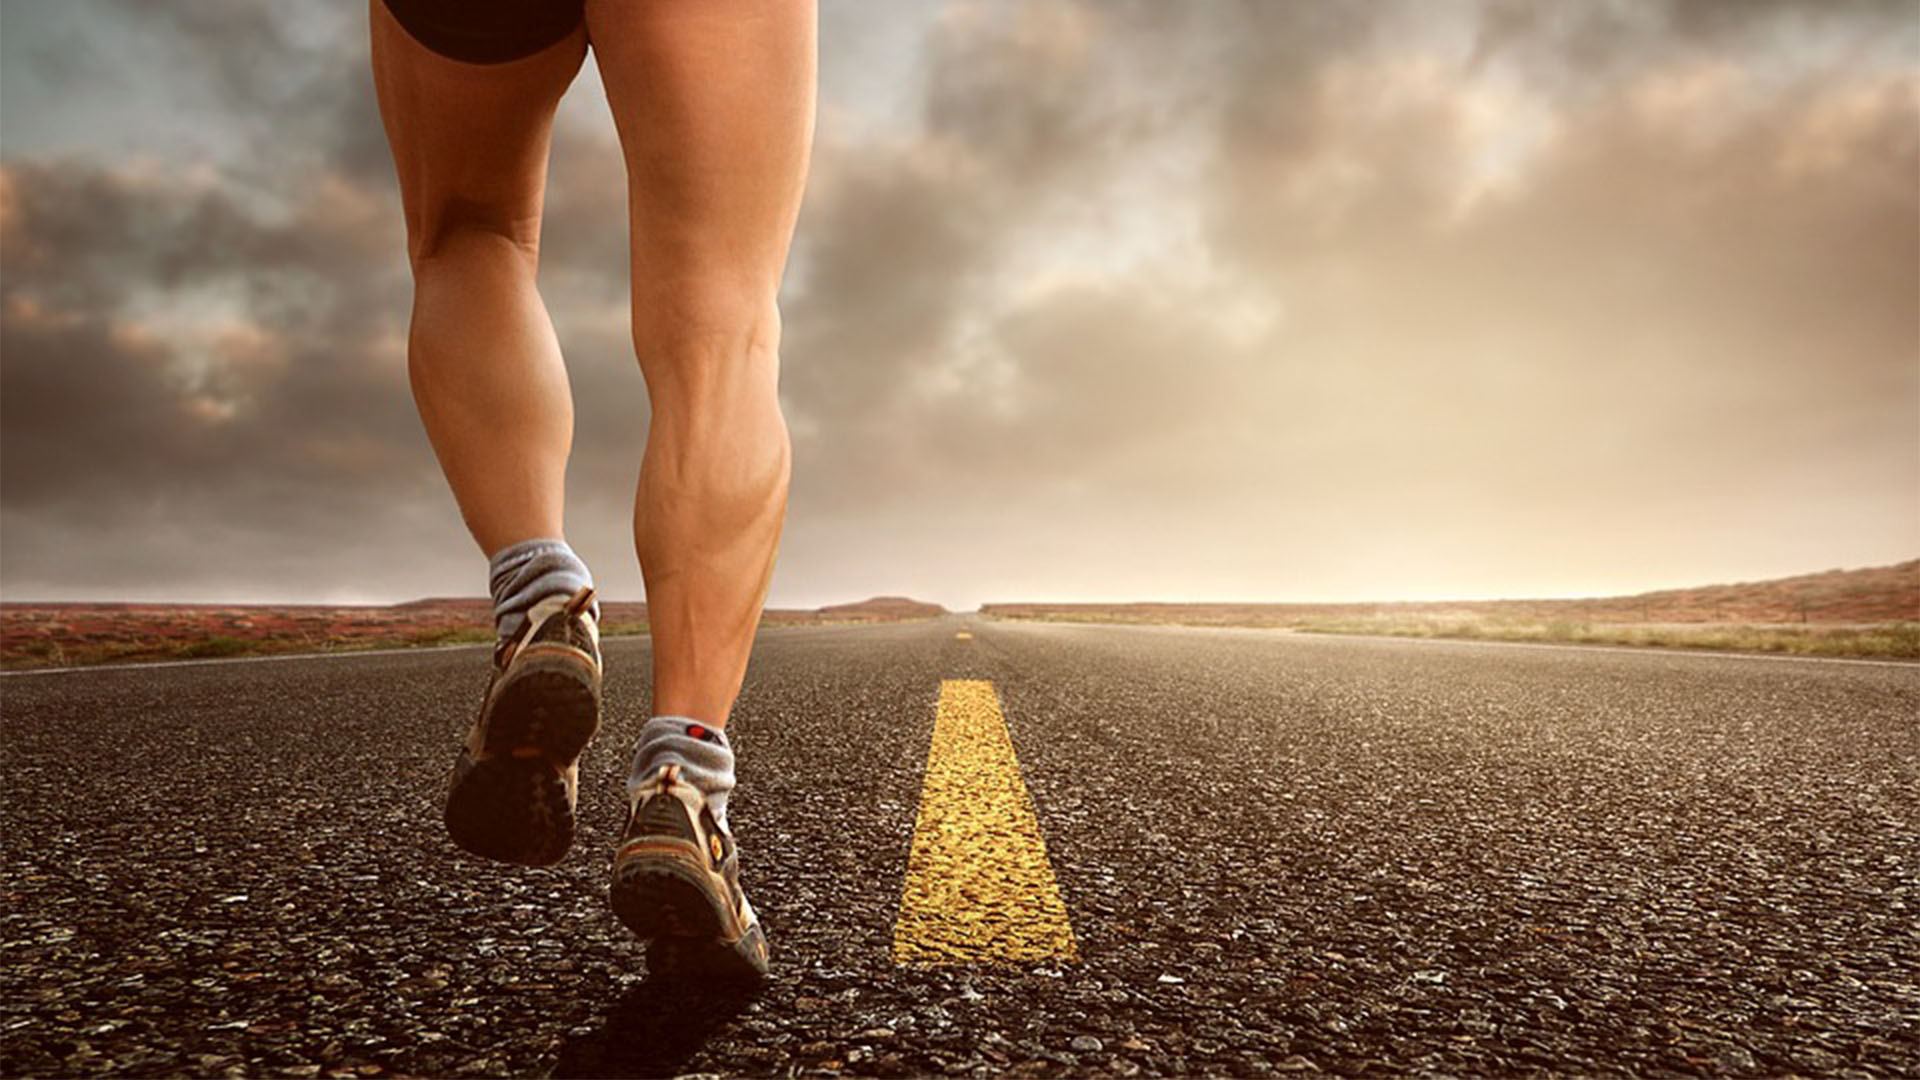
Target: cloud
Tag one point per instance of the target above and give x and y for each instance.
(169, 353)
(1129, 299)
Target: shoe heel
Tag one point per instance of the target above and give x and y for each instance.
(661, 884)
(551, 711)
(510, 809)
(665, 906)
(658, 897)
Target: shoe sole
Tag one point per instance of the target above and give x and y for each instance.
(512, 803)
(666, 896)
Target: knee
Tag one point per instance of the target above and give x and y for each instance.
(703, 342)
(456, 229)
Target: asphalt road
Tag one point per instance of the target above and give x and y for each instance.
(1277, 852)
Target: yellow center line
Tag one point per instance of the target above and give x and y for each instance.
(979, 888)
(963, 635)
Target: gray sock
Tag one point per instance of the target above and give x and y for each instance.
(523, 574)
(703, 753)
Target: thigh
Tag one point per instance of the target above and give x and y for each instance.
(714, 103)
(469, 140)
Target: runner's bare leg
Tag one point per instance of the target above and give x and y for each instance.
(714, 102)
(470, 145)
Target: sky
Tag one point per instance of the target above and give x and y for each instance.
(1088, 301)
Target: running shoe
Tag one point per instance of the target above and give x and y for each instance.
(516, 781)
(676, 884)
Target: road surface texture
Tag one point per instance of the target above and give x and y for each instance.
(1277, 852)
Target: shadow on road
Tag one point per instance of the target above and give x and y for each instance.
(653, 1030)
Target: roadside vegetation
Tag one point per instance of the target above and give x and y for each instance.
(1872, 612)
(1885, 641)
(54, 653)
(21, 650)
(1892, 641)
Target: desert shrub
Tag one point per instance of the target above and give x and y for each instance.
(218, 645)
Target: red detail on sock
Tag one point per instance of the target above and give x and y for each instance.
(696, 731)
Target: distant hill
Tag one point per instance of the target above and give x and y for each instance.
(884, 607)
(1833, 597)
(1873, 594)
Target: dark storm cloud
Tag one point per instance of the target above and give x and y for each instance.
(282, 407)
(1564, 285)
(901, 250)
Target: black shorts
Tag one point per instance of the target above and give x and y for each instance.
(487, 31)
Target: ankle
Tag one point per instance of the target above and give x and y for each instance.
(703, 753)
(523, 574)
